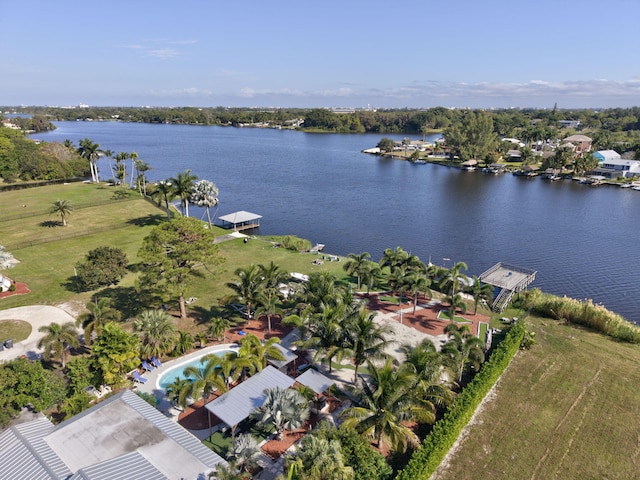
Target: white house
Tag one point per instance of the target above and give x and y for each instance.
(618, 168)
(604, 156)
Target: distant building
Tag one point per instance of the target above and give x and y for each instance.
(619, 167)
(570, 123)
(581, 143)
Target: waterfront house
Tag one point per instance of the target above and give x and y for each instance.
(619, 167)
(581, 143)
(514, 156)
(604, 156)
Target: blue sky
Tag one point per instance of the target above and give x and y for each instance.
(415, 54)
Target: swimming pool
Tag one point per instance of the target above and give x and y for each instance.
(168, 377)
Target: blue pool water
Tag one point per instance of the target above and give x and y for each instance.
(168, 377)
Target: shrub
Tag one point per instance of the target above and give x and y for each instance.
(445, 432)
(102, 267)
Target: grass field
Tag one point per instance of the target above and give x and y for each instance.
(48, 252)
(567, 409)
(16, 330)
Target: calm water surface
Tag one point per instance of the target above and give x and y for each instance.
(583, 241)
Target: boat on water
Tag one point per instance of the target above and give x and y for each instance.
(625, 185)
(637, 187)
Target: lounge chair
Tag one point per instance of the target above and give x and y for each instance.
(138, 378)
(155, 362)
(147, 367)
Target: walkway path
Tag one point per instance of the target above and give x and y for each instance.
(37, 316)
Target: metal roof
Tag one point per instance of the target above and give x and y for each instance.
(239, 402)
(289, 357)
(120, 438)
(239, 217)
(316, 381)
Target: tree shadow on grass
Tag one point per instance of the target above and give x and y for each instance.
(50, 224)
(124, 299)
(205, 315)
(149, 220)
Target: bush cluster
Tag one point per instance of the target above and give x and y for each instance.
(581, 312)
(445, 432)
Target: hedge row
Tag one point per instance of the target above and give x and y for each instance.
(446, 431)
(579, 312)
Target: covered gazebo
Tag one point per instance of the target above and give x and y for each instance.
(240, 220)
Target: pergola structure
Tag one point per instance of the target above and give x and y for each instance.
(510, 279)
(240, 220)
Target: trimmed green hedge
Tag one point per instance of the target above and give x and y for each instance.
(446, 431)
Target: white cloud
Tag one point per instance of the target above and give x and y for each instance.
(182, 92)
(163, 53)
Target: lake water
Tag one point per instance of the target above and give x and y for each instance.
(582, 240)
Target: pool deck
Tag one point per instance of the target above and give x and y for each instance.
(153, 377)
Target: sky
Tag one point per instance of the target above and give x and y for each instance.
(348, 53)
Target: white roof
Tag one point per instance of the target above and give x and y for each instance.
(238, 403)
(240, 217)
(315, 381)
(289, 357)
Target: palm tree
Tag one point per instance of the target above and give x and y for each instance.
(205, 194)
(451, 280)
(173, 391)
(399, 282)
(318, 458)
(164, 189)
(58, 339)
(142, 167)
(371, 274)
(463, 350)
(184, 342)
(133, 156)
(157, 333)
(365, 339)
(109, 154)
(356, 264)
(324, 333)
(258, 352)
(286, 409)
(183, 186)
(121, 168)
(203, 381)
(245, 452)
(417, 283)
(90, 151)
(100, 312)
(218, 326)
(481, 292)
(393, 258)
(247, 287)
(271, 277)
(386, 399)
(427, 364)
(228, 366)
(62, 208)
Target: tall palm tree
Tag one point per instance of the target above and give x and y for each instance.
(285, 409)
(62, 208)
(427, 364)
(121, 168)
(247, 287)
(417, 283)
(481, 292)
(398, 280)
(371, 274)
(203, 381)
(173, 391)
(228, 366)
(58, 339)
(451, 279)
(393, 258)
(183, 186)
(462, 350)
(205, 194)
(90, 151)
(99, 313)
(456, 303)
(133, 156)
(142, 167)
(157, 333)
(365, 339)
(271, 276)
(325, 333)
(384, 401)
(356, 265)
(184, 342)
(165, 191)
(109, 154)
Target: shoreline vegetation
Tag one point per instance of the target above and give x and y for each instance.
(100, 216)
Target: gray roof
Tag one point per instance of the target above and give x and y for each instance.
(121, 437)
(239, 217)
(315, 381)
(289, 357)
(238, 403)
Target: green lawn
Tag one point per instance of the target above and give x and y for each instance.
(16, 330)
(444, 315)
(567, 409)
(47, 265)
(220, 442)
